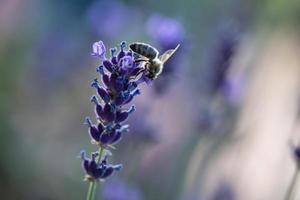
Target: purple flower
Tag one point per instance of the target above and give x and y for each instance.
(226, 45)
(106, 18)
(99, 49)
(224, 191)
(120, 76)
(141, 130)
(108, 14)
(296, 153)
(55, 60)
(95, 170)
(167, 33)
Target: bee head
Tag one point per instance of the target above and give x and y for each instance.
(154, 68)
(156, 65)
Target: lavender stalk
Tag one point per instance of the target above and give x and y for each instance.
(121, 74)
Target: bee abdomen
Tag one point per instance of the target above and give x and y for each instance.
(144, 49)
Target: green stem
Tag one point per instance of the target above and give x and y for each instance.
(93, 185)
(291, 190)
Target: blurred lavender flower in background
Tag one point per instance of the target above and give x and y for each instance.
(167, 33)
(206, 119)
(108, 14)
(55, 60)
(295, 148)
(296, 153)
(118, 189)
(223, 192)
(140, 128)
(225, 48)
(219, 81)
(106, 18)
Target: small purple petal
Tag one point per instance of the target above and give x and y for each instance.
(109, 113)
(98, 107)
(113, 52)
(101, 91)
(129, 53)
(85, 162)
(98, 110)
(121, 116)
(124, 128)
(126, 62)
(100, 69)
(85, 165)
(131, 96)
(104, 162)
(108, 172)
(113, 57)
(135, 72)
(103, 94)
(145, 79)
(100, 128)
(116, 82)
(108, 65)
(97, 173)
(117, 137)
(132, 86)
(121, 55)
(119, 100)
(92, 166)
(117, 167)
(105, 138)
(105, 79)
(99, 49)
(94, 133)
(114, 60)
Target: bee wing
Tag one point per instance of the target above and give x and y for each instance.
(140, 57)
(164, 57)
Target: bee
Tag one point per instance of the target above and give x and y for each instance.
(153, 63)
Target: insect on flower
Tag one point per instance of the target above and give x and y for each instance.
(120, 79)
(153, 63)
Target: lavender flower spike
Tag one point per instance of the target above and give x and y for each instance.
(120, 77)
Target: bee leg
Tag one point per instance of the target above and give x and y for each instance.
(140, 72)
(140, 60)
